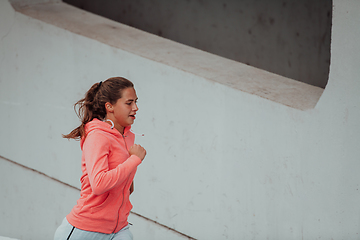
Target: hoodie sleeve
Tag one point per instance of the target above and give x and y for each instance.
(96, 153)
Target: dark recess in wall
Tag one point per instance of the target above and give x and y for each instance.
(287, 37)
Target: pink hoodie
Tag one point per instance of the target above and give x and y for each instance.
(107, 173)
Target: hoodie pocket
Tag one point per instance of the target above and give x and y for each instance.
(100, 202)
(104, 209)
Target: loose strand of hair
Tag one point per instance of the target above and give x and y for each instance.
(78, 132)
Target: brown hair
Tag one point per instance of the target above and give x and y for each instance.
(93, 104)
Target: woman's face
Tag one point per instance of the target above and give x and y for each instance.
(123, 112)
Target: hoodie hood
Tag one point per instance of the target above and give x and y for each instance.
(96, 124)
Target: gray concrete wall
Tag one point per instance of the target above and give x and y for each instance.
(224, 161)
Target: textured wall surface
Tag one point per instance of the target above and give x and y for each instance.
(222, 163)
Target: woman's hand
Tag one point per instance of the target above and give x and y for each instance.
(138, 150)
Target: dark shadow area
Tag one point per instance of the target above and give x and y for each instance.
(286, 37)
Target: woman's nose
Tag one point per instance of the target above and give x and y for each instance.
(135, 107)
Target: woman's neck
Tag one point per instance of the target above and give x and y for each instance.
(115, 125)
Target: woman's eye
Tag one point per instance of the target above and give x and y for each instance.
(129, 103)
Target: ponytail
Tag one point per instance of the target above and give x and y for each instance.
(93, 104)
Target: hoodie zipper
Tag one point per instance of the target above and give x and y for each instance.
(122, 202)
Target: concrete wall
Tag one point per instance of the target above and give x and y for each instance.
(290, 38)
(222, 163)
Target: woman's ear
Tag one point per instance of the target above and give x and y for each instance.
(109, 107)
